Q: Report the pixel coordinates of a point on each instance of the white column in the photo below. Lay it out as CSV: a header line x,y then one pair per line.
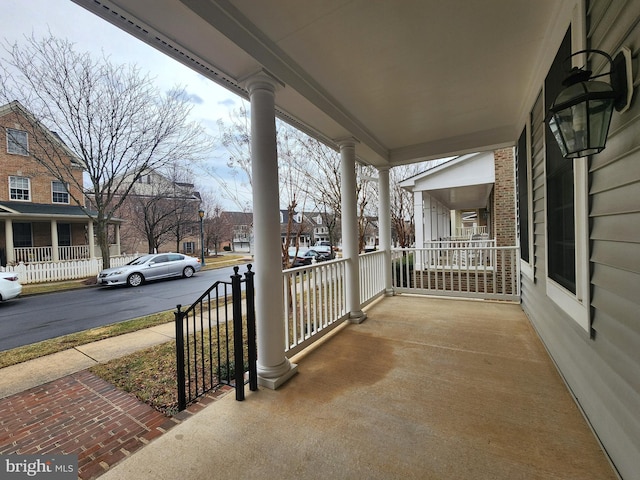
x,y
419,222
384,225
453,215
273,367
349,207
55,254
92,243
8,241
117,238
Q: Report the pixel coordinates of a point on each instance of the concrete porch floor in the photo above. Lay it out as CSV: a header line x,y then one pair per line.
x,y
424,388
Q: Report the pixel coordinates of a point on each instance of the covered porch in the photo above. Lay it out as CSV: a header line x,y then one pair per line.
x,y
425,388
388,86
36,233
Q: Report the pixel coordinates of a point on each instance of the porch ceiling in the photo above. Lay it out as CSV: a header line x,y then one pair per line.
x,y
411,80
461,198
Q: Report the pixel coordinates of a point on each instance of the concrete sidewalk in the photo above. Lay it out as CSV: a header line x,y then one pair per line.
x,y
23,376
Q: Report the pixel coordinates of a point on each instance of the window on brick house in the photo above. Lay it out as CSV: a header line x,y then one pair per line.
x,y
59,192
19,188
22,235
17,142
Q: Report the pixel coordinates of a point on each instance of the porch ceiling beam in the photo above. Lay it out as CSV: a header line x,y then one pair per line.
x,y
228,20
487,140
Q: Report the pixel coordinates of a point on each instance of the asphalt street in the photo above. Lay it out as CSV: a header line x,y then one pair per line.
x,y
35,318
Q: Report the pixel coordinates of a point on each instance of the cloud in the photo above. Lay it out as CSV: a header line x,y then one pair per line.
x,y
227,102
194,98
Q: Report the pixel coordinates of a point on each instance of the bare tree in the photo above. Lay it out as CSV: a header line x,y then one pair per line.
x,y
322,182
217,228
234,138
147,217
110,116
402,212
184,202
162,206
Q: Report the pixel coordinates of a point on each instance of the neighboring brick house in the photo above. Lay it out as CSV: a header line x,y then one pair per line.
x,y
160,214
241,226
38,218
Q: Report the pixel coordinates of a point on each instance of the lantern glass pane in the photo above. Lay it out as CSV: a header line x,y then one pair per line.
x,y
575,127
553,125
599,119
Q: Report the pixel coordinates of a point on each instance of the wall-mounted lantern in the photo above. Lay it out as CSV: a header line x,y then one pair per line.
x,y
580,116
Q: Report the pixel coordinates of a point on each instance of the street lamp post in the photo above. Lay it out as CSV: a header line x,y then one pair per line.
x,y
201,215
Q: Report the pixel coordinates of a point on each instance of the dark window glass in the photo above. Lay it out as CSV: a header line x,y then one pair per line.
x,y
64,234
523,195
22,235
561,239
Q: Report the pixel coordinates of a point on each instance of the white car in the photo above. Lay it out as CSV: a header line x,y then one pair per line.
x,y
150,267
10,287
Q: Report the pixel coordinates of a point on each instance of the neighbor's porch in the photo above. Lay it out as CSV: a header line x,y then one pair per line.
x,y
424,388
31,240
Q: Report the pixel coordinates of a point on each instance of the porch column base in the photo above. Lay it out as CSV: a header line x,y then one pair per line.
x,y
357,317
389,292
276,377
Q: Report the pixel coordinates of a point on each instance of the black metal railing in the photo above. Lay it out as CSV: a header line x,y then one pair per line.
x,y
215,347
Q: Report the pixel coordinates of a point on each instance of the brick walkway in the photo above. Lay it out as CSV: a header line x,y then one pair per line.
x,y
84,415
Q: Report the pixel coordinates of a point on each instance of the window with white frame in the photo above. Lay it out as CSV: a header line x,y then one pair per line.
x,y
566,212
560,196
17,142
19,188
59,192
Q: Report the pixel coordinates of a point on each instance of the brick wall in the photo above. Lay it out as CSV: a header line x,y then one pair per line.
x,y
504,206
26,166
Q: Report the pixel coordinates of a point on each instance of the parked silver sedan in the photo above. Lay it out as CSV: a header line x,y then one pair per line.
x,y
150,267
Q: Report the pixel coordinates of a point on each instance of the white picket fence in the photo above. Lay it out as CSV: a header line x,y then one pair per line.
x,y
60,271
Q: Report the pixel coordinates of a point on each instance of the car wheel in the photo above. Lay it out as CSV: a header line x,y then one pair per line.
x,y
135,280
188,272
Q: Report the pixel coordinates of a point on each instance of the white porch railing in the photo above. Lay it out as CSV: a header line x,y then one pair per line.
x,y
470,231
59,271
315,295
457,253
45,254
476,272
314,302
33,254
371,276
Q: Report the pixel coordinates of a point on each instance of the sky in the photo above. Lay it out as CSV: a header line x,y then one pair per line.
x,y
65,19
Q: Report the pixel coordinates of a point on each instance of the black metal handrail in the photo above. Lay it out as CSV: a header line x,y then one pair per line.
x,y
205,358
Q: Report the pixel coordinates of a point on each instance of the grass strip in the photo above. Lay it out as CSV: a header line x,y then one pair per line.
x,y
149,374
